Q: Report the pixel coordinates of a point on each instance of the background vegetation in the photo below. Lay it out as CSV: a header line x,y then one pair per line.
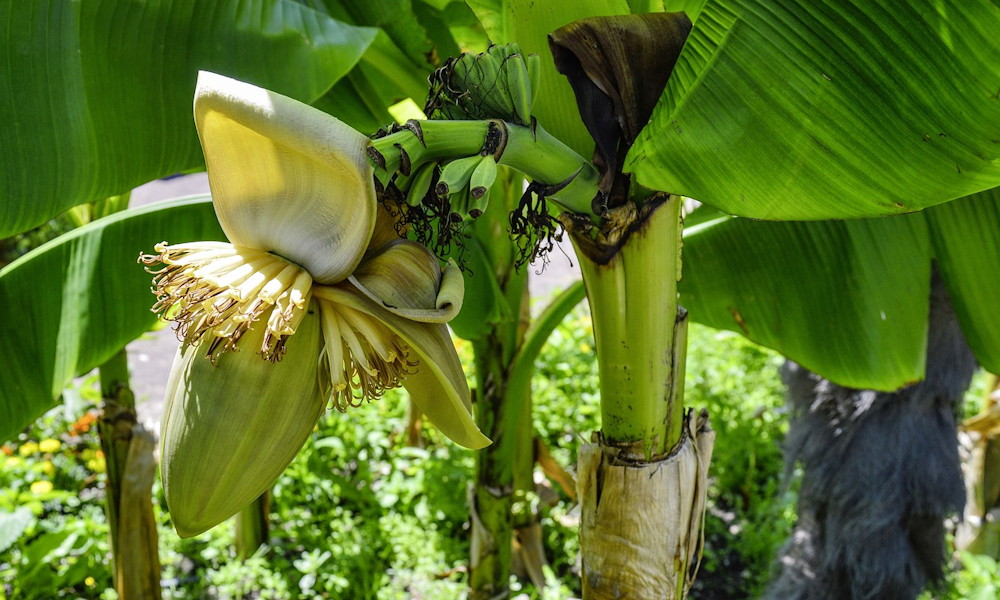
x,y
360,515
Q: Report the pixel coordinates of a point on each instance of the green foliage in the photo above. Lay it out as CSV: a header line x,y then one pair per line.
x,y
749,515
978,579
779,109
360,515
15,247
93,117
848,299
54,540
70,304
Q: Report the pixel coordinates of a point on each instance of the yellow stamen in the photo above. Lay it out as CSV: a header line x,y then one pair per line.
x,y
221,290
365,357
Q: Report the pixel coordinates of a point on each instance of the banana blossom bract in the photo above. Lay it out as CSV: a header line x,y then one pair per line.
x,y
310,254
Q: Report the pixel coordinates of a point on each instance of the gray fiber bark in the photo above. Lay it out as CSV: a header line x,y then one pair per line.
x,y
881,473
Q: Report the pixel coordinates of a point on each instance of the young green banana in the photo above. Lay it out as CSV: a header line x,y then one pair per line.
x,y
420,183
479,186
483,177
456,174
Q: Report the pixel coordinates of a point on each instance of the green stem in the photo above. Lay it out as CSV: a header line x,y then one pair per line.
x,y
632,292
252,526
545,159
500,410
533,152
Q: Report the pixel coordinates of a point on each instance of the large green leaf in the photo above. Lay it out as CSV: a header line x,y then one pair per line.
x,y
355,101
414,39
813,109
847,299
69,305
97,94
966,236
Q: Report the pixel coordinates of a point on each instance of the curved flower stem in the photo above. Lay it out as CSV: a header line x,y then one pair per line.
x,y
251,526
531,150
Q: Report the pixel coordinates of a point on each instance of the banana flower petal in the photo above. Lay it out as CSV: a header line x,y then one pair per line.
x,y
230,429
405,278
438,385
314,301
285,178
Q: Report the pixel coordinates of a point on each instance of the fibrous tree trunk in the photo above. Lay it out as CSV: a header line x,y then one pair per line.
x,y
131,468
643,481
881,473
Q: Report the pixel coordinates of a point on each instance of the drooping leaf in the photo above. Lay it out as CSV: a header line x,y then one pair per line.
x,y
98,94
813,109
396,18
69,305
847,299
354,101
391,74
966,237
395,65
617,67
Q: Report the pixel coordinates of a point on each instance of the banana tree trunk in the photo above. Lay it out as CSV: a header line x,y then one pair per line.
x,y
503,414
493,492
131,468
643,481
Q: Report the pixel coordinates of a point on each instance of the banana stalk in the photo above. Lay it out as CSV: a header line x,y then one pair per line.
x,y
642,483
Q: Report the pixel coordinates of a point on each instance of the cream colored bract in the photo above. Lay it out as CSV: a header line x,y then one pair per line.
x,y
309,248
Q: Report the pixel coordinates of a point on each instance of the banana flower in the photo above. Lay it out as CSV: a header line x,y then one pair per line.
x,y
314,300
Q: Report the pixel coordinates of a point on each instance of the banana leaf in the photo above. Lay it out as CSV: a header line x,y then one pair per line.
x,y
848,299
98,94
805,109
70,304
414,39
966,237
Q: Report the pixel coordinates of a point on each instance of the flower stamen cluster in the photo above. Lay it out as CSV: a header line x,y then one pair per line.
x,y
217,289
365,357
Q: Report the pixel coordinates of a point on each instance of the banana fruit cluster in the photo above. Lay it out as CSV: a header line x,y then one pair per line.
x,y
500,83
464,184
